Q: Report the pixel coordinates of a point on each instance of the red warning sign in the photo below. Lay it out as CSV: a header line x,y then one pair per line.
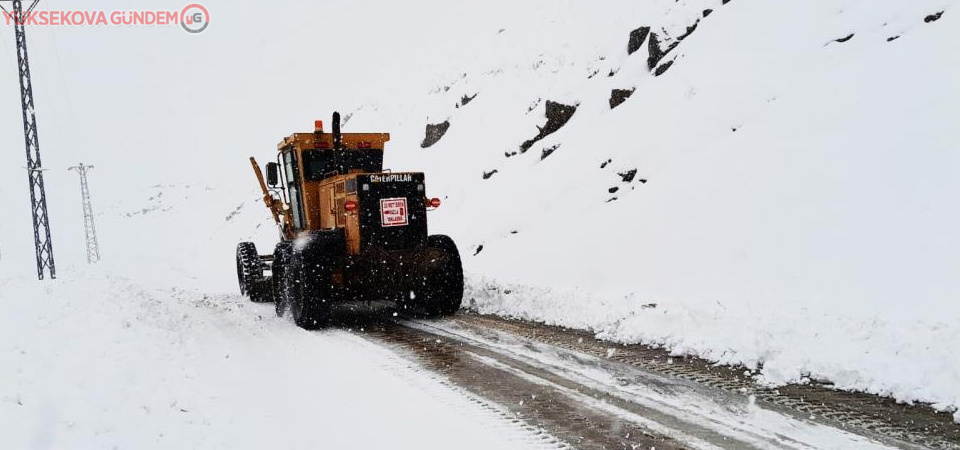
x,y
393,212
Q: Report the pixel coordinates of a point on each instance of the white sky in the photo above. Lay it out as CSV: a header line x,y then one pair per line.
x,y
156,104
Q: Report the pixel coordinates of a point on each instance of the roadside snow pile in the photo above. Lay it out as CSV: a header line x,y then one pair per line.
x,y
780,345
101,361
780,182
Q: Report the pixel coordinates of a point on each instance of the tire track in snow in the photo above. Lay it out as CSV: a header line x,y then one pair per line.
x,y
532,402
440,389
906,426
588,403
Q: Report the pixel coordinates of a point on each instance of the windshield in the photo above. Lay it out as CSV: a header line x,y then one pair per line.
x,y
319,163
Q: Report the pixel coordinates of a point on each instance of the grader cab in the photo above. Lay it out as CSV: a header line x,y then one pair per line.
x,y
348,232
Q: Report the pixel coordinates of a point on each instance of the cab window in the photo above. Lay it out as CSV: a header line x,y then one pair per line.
x,y
293,187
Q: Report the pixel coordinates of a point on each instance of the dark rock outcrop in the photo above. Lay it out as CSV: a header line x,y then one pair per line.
x,y
933,17
655,52
628,176
690,31
557,116
618,96
434,133
662,68
487,175
636,39
466,99
548,151
845,38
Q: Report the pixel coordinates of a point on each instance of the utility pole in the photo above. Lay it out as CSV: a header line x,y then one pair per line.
x,y
38,198
93,250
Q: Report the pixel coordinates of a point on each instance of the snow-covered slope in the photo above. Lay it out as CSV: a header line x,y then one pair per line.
x,y
781,196
793,204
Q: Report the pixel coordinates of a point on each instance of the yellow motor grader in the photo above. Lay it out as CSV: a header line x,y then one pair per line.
x,y
348,231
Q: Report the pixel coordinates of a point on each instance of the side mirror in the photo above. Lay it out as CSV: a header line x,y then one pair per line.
x,y
273,175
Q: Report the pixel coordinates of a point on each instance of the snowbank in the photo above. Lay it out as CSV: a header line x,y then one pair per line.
x,y
103,361
780,345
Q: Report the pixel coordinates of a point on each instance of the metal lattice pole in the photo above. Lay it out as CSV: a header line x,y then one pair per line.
x,y
38,197
93,250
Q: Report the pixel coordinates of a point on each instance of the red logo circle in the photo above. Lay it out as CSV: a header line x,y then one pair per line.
x,y
194,22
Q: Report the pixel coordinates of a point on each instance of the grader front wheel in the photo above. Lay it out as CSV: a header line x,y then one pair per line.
x,y
250,274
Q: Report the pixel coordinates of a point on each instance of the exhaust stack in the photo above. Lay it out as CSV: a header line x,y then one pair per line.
x,y
337,138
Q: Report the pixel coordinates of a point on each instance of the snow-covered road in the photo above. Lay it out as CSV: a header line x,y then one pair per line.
x,y
103,361
100,362
598,401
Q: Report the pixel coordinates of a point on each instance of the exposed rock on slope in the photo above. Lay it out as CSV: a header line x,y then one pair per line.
x,y
636,39
557,116
618,96
434,133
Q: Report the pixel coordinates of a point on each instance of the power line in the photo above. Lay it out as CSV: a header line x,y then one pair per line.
x,y
93,250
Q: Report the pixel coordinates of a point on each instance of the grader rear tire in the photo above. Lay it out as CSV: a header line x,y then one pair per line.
x,y
309,279
281,260
443,287
308,297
